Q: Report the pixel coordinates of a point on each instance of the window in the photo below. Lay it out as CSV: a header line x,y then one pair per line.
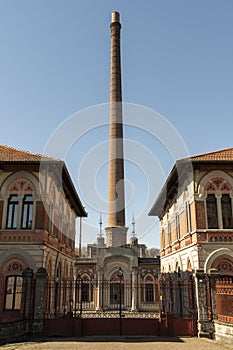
x,y
19,204
27,212
149,292
12,212
211,207
116,293
226,211
13,292
51,217
60,227
188,217
85,292
169,233
163,239
177,227
218,204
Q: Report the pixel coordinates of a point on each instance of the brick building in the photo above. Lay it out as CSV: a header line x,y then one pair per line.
x,y
195,209
38,210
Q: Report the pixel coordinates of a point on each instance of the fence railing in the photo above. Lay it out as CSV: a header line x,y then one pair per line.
x,y
79,297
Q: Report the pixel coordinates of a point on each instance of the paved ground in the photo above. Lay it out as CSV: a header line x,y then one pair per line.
x,y
116,343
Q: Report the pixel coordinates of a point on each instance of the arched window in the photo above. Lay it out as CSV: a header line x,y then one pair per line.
x,y
218,204
224,265
117,289
13,293
149,293
13,286
20,205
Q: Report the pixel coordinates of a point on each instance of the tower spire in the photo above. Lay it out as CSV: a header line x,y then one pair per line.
x,y
116,230
101,224
133,225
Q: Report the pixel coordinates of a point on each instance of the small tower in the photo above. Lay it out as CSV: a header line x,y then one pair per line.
x,y
100,238
116,230
133,238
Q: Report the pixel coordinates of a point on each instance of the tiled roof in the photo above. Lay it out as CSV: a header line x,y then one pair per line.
x,y
225,155
10,154
222,155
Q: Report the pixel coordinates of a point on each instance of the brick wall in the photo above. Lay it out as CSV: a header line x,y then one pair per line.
x,y
224,300
200,215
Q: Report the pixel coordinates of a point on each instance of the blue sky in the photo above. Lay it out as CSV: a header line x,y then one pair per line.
x,y
177,59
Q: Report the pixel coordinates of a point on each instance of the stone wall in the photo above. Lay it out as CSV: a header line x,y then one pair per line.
x,y
224,332
19,331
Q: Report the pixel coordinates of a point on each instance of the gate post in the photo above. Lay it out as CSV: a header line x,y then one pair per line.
x,y
205,325
134,290
39,308
27,289
213,275
99,300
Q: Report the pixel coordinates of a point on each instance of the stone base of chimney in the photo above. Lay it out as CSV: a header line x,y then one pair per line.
x,y
116,236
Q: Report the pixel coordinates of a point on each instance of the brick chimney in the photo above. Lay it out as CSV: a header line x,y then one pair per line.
x,y
116,230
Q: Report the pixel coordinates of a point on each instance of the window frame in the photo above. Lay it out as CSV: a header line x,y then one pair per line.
x,y
14,294
12,212
28,207
219,188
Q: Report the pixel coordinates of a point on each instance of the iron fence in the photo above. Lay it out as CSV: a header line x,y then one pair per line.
x,y
100,298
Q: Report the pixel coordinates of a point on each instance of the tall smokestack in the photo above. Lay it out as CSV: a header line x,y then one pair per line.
x,y
116,230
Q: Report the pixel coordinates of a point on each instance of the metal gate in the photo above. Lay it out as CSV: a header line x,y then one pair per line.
x,y
100,307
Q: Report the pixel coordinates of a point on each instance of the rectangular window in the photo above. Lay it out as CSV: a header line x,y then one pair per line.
x,y
169,234
27,212
149,292
12,212
188,217
177,227
51,218
212,214
59,227
226,211
13,293
163,239
85,292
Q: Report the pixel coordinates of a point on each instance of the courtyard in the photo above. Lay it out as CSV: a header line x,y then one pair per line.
x,y
118,343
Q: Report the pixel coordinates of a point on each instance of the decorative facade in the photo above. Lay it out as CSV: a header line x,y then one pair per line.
x,y
38,210
195,208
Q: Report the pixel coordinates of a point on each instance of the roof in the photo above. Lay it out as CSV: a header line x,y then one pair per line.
x,y
13,155
10,154
221,156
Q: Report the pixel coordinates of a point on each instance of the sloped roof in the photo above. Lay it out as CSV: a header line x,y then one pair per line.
x,y
14,155
221,156
10,154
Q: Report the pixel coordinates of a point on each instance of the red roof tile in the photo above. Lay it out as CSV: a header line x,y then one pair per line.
x,y
10,154
221,155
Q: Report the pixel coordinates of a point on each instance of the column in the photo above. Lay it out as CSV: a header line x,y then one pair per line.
x,y
205,326
135,290
99,297
27,291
